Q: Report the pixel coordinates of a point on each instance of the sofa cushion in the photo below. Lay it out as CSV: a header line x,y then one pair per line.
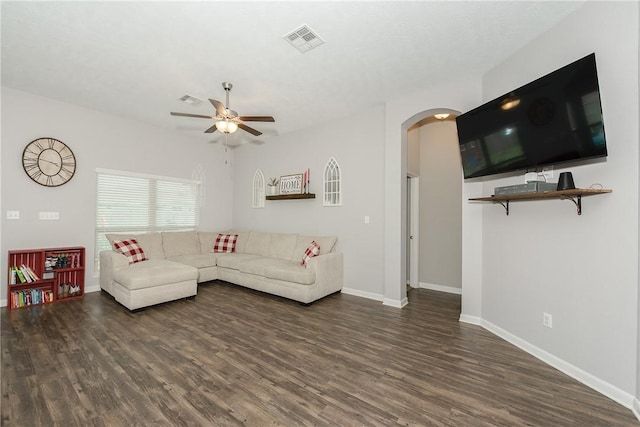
x,y
130,249
151,243
282,245
225,243
312,250
258,266
258,243
196,260
233,261
326,245
241,242
291,272
207,239
177,243
154,273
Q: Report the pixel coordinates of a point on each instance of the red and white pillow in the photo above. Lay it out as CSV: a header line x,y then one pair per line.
x,y
130,249
225,243
312,250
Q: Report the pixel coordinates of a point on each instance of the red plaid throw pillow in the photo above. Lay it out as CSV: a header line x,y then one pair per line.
x,y
130,249
312,250
225,243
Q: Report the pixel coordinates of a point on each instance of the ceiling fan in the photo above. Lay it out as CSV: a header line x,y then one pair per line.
x,y
227,120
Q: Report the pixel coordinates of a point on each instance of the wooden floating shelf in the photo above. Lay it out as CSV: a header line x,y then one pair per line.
x,y
291,196
574,195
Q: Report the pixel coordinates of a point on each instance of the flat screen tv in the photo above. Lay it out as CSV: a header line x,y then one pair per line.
x,y
554,119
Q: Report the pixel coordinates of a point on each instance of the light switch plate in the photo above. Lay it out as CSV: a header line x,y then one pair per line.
x,y
13,214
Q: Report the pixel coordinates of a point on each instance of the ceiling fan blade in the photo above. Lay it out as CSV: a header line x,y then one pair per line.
x,y
248,129
219,107
257,119
212,129
200,116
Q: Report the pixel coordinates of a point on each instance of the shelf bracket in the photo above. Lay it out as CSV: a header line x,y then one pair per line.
x,y
505,205
577,200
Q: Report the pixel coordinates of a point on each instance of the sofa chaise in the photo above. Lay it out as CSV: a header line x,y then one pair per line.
x,y
166,266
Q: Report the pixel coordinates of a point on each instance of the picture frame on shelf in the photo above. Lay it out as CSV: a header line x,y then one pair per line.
x,y
291,184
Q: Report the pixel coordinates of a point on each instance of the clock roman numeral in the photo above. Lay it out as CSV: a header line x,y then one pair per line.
x,y
37,174
49,181
51,142
65,171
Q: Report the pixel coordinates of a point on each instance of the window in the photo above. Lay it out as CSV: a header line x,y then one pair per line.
x,y
129,203
258,190
332,185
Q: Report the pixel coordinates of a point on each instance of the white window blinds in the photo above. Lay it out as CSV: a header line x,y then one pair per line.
x,y
131,203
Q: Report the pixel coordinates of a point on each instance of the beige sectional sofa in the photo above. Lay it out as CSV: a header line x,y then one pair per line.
x,y
178,261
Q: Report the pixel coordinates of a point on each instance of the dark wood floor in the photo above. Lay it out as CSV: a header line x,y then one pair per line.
x,y
232,356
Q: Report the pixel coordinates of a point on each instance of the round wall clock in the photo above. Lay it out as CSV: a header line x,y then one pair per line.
x,y
49,162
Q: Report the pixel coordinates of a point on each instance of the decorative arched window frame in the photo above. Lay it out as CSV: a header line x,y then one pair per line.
x,y
257,194
332,184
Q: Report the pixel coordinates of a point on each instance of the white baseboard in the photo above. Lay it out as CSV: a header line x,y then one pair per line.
x,y
472,320
3,302
395,303
636,408
94,288
440,288
363,294
612,392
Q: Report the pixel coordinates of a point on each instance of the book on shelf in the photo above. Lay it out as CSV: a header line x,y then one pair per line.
x,y
25,273
13,276
28,272
20,275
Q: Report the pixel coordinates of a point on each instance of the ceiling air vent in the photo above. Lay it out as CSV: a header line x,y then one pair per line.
x,y
303,38
191,100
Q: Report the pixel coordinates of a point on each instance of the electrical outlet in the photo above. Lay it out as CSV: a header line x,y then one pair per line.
x,y
547,173
547,320
13,214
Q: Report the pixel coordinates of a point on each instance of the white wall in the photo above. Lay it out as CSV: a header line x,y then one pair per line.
x,y
440,206
98,141
400,114
543,257
357,144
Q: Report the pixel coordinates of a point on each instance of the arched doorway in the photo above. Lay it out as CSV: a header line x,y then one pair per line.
x,y
450,280
434,204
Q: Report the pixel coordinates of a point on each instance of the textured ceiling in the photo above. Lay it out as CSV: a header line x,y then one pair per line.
x,y
135,59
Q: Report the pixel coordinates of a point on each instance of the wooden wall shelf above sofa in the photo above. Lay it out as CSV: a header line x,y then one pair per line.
x,y
291,196
574,195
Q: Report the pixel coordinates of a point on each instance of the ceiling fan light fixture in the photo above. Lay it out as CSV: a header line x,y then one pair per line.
x,y
226,126
441,116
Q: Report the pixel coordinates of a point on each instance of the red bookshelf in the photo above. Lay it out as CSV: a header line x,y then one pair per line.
x,y
54,274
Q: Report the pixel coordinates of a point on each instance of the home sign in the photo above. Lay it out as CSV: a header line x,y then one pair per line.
x,y
291,184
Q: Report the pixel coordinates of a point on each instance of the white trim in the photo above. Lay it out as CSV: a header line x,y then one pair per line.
x,y
145,175
362,294
612,392
440,288
395,303
472,320
3,302
92,288
414,230
636,408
